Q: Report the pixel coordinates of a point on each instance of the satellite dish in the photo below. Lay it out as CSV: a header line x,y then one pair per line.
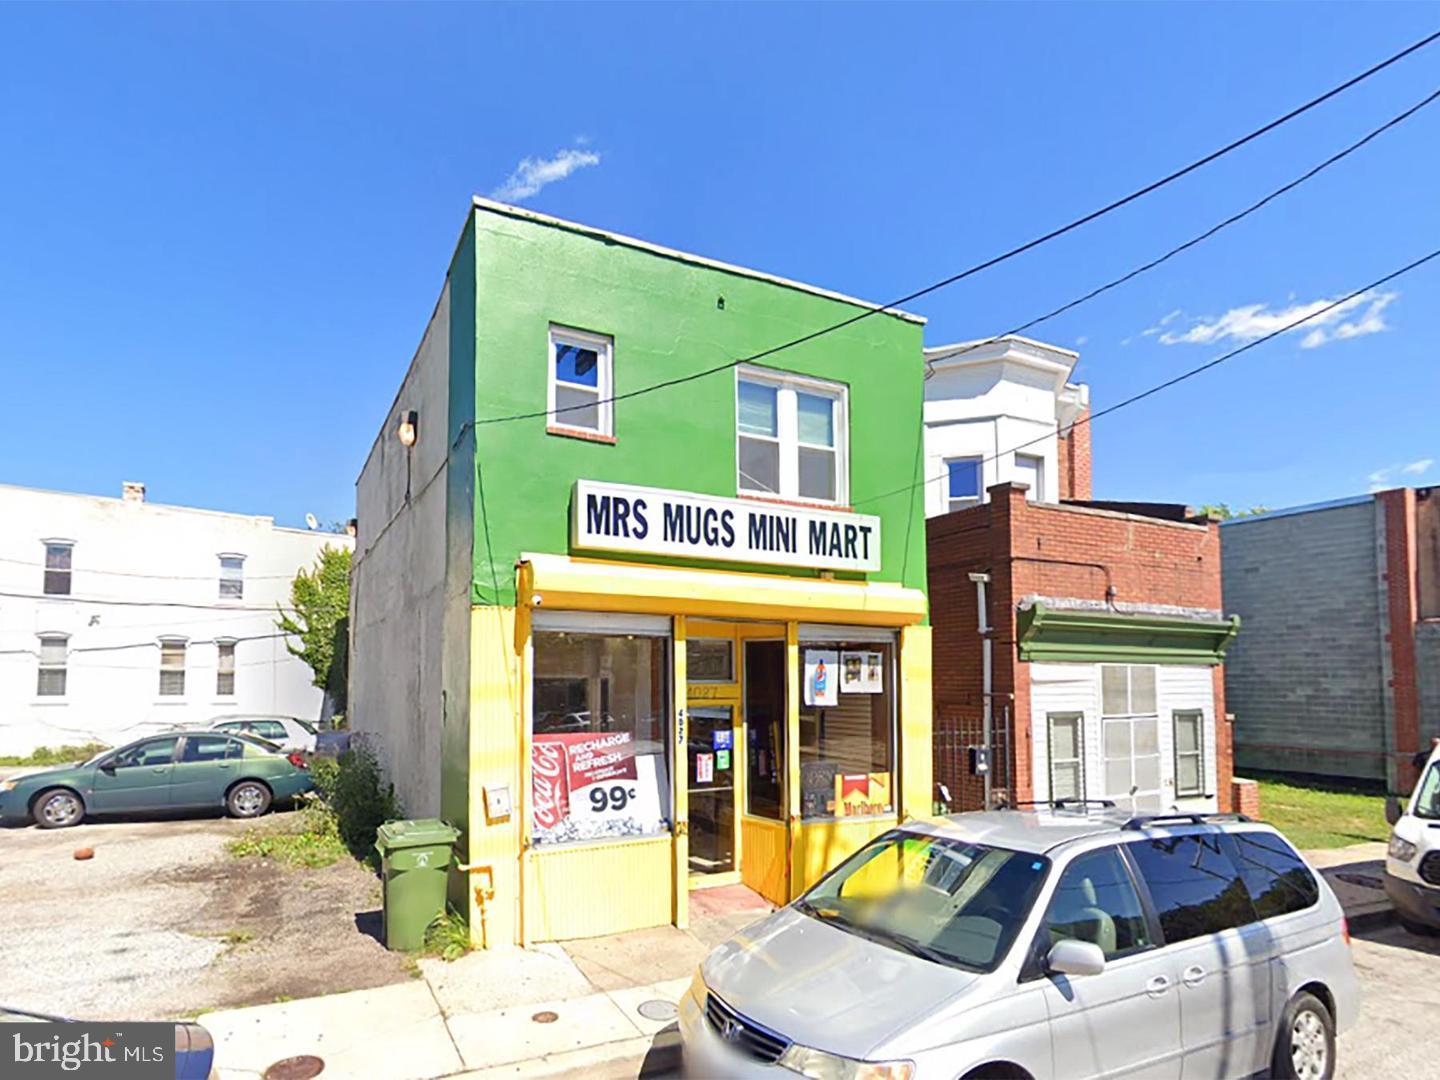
x,y
311,523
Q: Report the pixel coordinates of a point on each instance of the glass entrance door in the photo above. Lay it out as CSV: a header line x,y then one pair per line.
x,y
710,764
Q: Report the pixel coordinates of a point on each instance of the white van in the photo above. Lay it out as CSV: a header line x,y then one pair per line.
x,y
1412,866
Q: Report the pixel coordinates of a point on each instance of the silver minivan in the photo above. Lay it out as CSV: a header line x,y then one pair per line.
x,y
1074,940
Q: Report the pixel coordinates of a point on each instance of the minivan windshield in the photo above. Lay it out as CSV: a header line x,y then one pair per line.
x,y
941,898
1427,799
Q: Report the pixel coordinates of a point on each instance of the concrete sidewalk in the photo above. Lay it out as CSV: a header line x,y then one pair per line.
x,y
602,1005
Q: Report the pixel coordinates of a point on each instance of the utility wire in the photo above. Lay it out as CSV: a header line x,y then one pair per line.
x,y
1206,235
271,608
158,577
988,263
1178,378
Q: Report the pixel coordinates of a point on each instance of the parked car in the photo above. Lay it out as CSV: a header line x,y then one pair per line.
x,y
1412,865
288,732
1058,942
241,773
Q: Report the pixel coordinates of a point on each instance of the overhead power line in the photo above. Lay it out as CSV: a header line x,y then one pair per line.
x,y
987,264
38,564
271,608
1182,377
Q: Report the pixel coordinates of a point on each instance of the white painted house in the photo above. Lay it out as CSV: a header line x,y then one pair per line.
x,y
120,617
985,399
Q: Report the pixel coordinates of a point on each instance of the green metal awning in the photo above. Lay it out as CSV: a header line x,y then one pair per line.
x,y
1094,637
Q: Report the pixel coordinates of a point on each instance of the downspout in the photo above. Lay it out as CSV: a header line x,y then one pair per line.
x,y
987,722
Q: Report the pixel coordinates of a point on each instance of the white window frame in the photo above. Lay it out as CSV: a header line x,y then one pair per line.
x,y
43,667
1037,489
224,557
221,644
69,572
184,644
787,433
1130,718
1198,716
604,348
1078,719
964,502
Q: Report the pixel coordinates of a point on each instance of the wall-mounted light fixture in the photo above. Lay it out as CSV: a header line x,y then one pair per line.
x,y
409,429
352,527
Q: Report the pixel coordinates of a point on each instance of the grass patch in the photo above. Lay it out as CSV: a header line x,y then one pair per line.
x,y
55,755
315,844
1316,816
447,937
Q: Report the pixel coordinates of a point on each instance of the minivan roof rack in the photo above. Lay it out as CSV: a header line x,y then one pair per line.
x,y
1066,803
1144,821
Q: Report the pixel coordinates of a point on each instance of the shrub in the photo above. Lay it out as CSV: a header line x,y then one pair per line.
x,y
58,755
354,789
447,937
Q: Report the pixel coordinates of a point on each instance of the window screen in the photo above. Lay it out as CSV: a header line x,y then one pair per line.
x,y
1195,886
1067,757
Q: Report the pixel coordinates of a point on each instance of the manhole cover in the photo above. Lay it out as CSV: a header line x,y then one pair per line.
x,y
658,1010
295,1068
546,1017
1363,880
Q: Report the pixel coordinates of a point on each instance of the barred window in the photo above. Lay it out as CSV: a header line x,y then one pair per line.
x,y
172,667
54,653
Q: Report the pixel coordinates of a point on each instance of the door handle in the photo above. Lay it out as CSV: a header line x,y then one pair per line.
x,y
160,768
1193,975
1157,986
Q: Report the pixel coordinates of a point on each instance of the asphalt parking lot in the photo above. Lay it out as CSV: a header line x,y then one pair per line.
x,y
164,923
1398,976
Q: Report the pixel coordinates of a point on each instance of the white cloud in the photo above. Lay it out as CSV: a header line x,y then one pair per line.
x,y
532,174
1159,326
1383,478
1356,317
1081,340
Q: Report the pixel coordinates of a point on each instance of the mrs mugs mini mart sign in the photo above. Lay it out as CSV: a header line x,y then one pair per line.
x,y
652,521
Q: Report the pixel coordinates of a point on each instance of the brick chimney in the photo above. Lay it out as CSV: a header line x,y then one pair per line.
x,y
1075,458
132,491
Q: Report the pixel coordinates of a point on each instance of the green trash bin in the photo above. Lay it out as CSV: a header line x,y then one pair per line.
x,y
414,867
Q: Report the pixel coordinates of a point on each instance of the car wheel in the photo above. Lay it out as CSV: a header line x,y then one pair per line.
x,y
59,808
1305,1047
1419,929
248,799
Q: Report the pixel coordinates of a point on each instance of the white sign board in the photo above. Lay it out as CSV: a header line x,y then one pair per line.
x,y
653,521
822,678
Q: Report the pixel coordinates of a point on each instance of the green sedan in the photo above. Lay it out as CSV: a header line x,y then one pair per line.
x,y
243,774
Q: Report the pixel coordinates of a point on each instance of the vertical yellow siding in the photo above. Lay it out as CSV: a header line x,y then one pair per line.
x,y
917,762
823,845
496,700
590,889
763,867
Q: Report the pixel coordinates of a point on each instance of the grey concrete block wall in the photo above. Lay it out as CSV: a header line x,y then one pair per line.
x,y
1427,663
1304,678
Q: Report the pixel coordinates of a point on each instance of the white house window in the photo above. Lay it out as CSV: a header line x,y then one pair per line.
x,y
581,382
172,667
54,653
1131,735
790,437
232,577
1189,752
1030,470
57,567
962,483
1067,759
225,669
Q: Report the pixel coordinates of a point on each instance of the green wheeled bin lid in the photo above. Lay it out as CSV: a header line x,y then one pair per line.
x,y
422,832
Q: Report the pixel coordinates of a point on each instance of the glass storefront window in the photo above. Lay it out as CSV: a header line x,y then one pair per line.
x,y
765,758
847,729
599,737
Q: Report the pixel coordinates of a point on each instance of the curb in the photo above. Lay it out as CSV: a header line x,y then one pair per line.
x,y
1364,921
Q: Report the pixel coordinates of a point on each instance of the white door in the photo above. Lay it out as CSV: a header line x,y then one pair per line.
x,y
1131,736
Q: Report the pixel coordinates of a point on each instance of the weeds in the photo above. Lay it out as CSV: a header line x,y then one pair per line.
x,y
315,844
354,789
447,937
57,755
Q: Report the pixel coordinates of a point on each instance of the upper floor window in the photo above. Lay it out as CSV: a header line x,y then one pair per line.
x,y
224,668
232,577
57,567
962,483
172,667
791,437
1030,470
54,653
581,383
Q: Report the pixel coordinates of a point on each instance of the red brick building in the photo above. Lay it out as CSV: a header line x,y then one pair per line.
x,y
1107,633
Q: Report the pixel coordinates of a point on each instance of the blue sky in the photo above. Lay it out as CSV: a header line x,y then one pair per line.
x,y
223,228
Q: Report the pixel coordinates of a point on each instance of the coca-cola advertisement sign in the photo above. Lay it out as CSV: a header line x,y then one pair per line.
x,y
549,769
594,785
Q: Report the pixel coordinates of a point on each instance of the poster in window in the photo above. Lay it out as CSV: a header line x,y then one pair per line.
x,y
862,672
817,788
592,786
862,794
822,678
